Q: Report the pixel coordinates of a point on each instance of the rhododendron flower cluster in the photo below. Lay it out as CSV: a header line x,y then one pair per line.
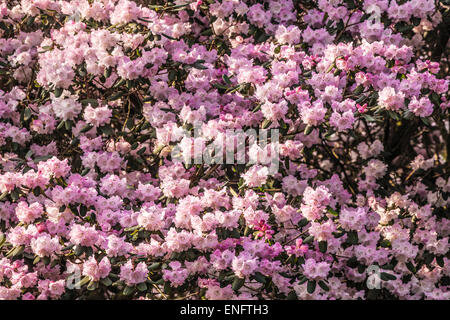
x,y
132,164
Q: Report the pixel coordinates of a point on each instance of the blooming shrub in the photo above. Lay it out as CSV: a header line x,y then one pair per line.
x,y
96,96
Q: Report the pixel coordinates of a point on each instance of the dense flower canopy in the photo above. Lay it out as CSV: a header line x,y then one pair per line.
x,y
106,106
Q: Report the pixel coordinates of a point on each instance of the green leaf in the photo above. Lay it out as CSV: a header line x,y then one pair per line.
x,y
259,277
207,32
323,246
27,114
54,263
393,115
168,37
107,73
78,250
361,99
106,281
43,158
130,84
128,290
361,268
408,115
369,118
219,86
358,90
372,294
2,239
352,262
93,285
385,243
330,133
411,267
199,66
88,251
302,223
266,123
226,79
86,128
425,121
60,125
237,283
308,239
311,286
324,286
428,257
107,130
387,266
331,67
292,295
141,151
146,125
434,97
333,212
129,229
116,96
284,274
142,287
36,260
440,261
308,130
154,266
119,83
30,21
37,191
58,92
352,237
83,210
403,26
134,146
262,37
92,102
83,281
387,276
3,195
167,287
15,195
67,248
